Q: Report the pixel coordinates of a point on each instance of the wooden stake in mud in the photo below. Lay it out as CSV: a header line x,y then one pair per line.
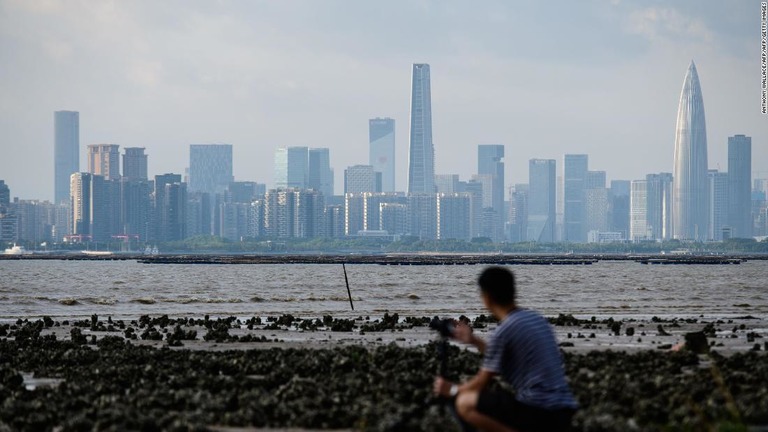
x,y
349,293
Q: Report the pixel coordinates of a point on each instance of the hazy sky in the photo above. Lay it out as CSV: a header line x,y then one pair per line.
x,y
543,78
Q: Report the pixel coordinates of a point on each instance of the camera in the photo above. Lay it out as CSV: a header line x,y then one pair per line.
x,y
443,326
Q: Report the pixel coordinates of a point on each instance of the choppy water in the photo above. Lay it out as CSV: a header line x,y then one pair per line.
x,y
125,289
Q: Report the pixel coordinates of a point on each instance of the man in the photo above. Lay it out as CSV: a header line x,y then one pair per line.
x,y
524,353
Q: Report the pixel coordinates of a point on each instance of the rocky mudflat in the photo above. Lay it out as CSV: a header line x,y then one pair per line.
x,y
161,373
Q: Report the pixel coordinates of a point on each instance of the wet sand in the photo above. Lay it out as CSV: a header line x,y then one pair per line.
x,y
160,373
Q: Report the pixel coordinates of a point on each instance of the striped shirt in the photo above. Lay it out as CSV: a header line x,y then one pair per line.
x,y
524,351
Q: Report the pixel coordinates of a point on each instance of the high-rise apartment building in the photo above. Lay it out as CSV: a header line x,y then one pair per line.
x,y
739,186
659,205
291,167
372,203
381,141
690,198
210,168
294,213
476,191
392,218
574,206
638,204
518,213
66,152
542,178
619,206
5,195
596,207
421,152
170,199
490,162
134,163
354,213
453,211
320,174
719,228
104,160
80,207
420,218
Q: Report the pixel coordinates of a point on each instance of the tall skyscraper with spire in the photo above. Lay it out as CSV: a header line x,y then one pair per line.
x,y
690,203
421,152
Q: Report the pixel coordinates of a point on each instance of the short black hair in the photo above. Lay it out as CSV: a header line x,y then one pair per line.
x,y
498,284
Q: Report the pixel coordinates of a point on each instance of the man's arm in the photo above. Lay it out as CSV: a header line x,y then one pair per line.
x,y
483,377
463,333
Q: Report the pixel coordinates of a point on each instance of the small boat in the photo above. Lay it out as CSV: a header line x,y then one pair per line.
x,y
17,250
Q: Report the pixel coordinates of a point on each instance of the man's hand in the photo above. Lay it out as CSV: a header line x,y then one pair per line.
x,y
463,333
442,387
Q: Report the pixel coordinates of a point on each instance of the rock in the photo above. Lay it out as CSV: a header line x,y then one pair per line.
x,y
661,331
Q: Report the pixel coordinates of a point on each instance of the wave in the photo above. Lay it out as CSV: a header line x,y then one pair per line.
x,y
144,300
409,296
189,300
68,302
101,301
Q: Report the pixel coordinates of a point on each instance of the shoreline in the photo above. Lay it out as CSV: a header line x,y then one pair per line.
x,y
379,380
398,258
574,334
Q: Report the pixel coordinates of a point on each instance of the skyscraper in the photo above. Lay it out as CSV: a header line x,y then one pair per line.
x,y
5,195
291,167
453,211
135,208
80,208
542,177
210,168
104,160
447,183
134,163
490,163
719,228
690,202
638,213
574,206
66,152
381,139
421,220
421,152
518,213
659,205
739,186
320,174
170,207
359,179
619,206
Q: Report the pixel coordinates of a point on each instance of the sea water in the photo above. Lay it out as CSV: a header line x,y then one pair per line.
x,y
128,289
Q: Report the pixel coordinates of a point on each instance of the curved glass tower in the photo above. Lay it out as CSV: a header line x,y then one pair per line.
x,y
690,204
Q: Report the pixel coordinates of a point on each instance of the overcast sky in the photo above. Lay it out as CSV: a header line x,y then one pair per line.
x,y
543,78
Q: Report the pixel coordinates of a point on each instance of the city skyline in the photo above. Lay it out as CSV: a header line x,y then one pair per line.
x,y
640,46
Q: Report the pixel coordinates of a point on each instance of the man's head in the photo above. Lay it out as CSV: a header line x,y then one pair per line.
x,y
497,286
